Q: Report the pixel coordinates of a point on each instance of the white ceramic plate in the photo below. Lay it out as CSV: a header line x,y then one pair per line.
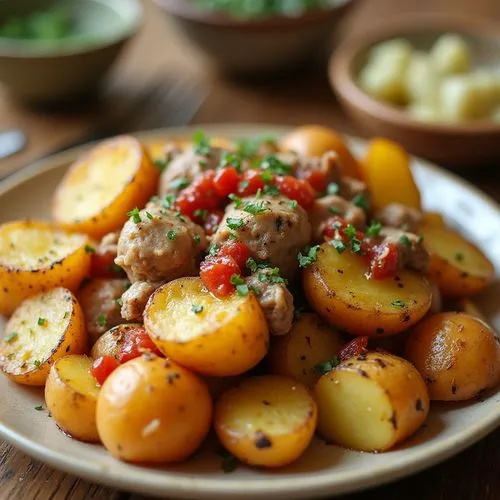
x,y
324,469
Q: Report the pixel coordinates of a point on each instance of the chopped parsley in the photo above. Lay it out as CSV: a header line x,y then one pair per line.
x,y
404,240
37,363
180,216
197,308
201,143
236,200
42,322
308,257
39,408
171,235
293,204
327,366
374,228
135,215
235,223
197,239
335,210
254,208
149,216
271,190
12,337
66,315
161,165
201,213
230,160
213,250
180,183
271,275
168,201
332,188
459,256
339,245
350,231
275,166
251,264
266,176
361,201
101,320
115,268
244,184
398,303
119,302
421,239
89,249
241,287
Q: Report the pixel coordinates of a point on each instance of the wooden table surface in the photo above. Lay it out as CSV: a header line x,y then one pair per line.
x,y
153,63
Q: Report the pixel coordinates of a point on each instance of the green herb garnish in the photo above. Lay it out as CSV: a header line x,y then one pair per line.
x,y
374,229
201,143
404,240
197,308
339,245
180,183
12,337
42,322
361,201
308,257
254,208
171,235
235,223
236,200
89,249
101,320
135,215
327,366
332,188
398,303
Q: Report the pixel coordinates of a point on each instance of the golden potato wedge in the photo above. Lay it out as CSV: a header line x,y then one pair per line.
x,y
101,187
36,256
267,421
71,397
222,337
337,288
310,341
152,410
457,354
44,328
111,342
456,265
371,402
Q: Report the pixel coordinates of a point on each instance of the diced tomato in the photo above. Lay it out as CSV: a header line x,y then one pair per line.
x,y
212,221
137,341
296,189
216,272
237,250
337,225
384,261
226,181
200,195
102,265
317,179
250,183
353,348
103,367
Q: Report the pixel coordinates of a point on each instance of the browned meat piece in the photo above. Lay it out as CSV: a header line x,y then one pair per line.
x,y
328,206
273,229
100,302
109,243
411,252
134,299
161,247
275,299
349,188
327,164
400,216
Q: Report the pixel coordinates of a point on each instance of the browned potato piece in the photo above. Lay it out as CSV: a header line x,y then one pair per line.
x,y
311,341
219,337
457,266
36,256
457,354
267,421
100,188
44,328
111,342
153,410
337,288
372,402
71,397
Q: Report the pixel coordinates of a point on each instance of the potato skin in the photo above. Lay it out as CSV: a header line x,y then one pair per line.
x,y
400,384
266,421
337,289
73,407
458,355
17,283
152,410
310,341
229,337
110,343
128,192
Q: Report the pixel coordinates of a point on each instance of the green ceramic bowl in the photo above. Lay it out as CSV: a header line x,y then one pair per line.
x,y
41,71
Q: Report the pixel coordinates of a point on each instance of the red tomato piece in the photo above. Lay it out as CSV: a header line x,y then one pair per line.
x,y
102,265
384,261
317,179
250,183
103,367
353,348
137,341
216,272
226,181
237,250
296,189
200,195
212,221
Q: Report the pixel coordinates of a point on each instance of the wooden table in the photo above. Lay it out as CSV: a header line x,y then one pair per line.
x,y
149,60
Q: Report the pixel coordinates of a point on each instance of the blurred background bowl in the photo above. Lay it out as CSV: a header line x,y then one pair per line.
x,y
43,71
256,46
464,144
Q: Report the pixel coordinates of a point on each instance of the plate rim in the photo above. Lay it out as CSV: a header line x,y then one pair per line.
x,y
315,484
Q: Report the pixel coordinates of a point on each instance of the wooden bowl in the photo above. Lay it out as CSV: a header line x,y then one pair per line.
x,y
472,143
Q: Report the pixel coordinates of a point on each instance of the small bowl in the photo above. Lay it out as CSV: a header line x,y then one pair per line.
x,y
256,46
37,71
457,145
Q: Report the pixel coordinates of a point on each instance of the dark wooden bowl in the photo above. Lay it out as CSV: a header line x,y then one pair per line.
x,y
473,143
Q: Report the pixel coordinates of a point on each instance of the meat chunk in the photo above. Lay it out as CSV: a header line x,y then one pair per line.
x,y
400,216
350,188
159,245
326,164
275,299
134,299
328,206
100,302
109,243
411,252
272,228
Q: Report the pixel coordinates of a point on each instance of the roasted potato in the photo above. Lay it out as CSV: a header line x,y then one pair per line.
x,y
267,421
111,342
337,289
457,266
36,256
315,140
44,328
100,188
387,173
371,402
71,397
457,354
310,342
469,307
152,410
211,336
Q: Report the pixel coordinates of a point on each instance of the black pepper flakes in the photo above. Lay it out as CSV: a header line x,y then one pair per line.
x,y
419,406
262,441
